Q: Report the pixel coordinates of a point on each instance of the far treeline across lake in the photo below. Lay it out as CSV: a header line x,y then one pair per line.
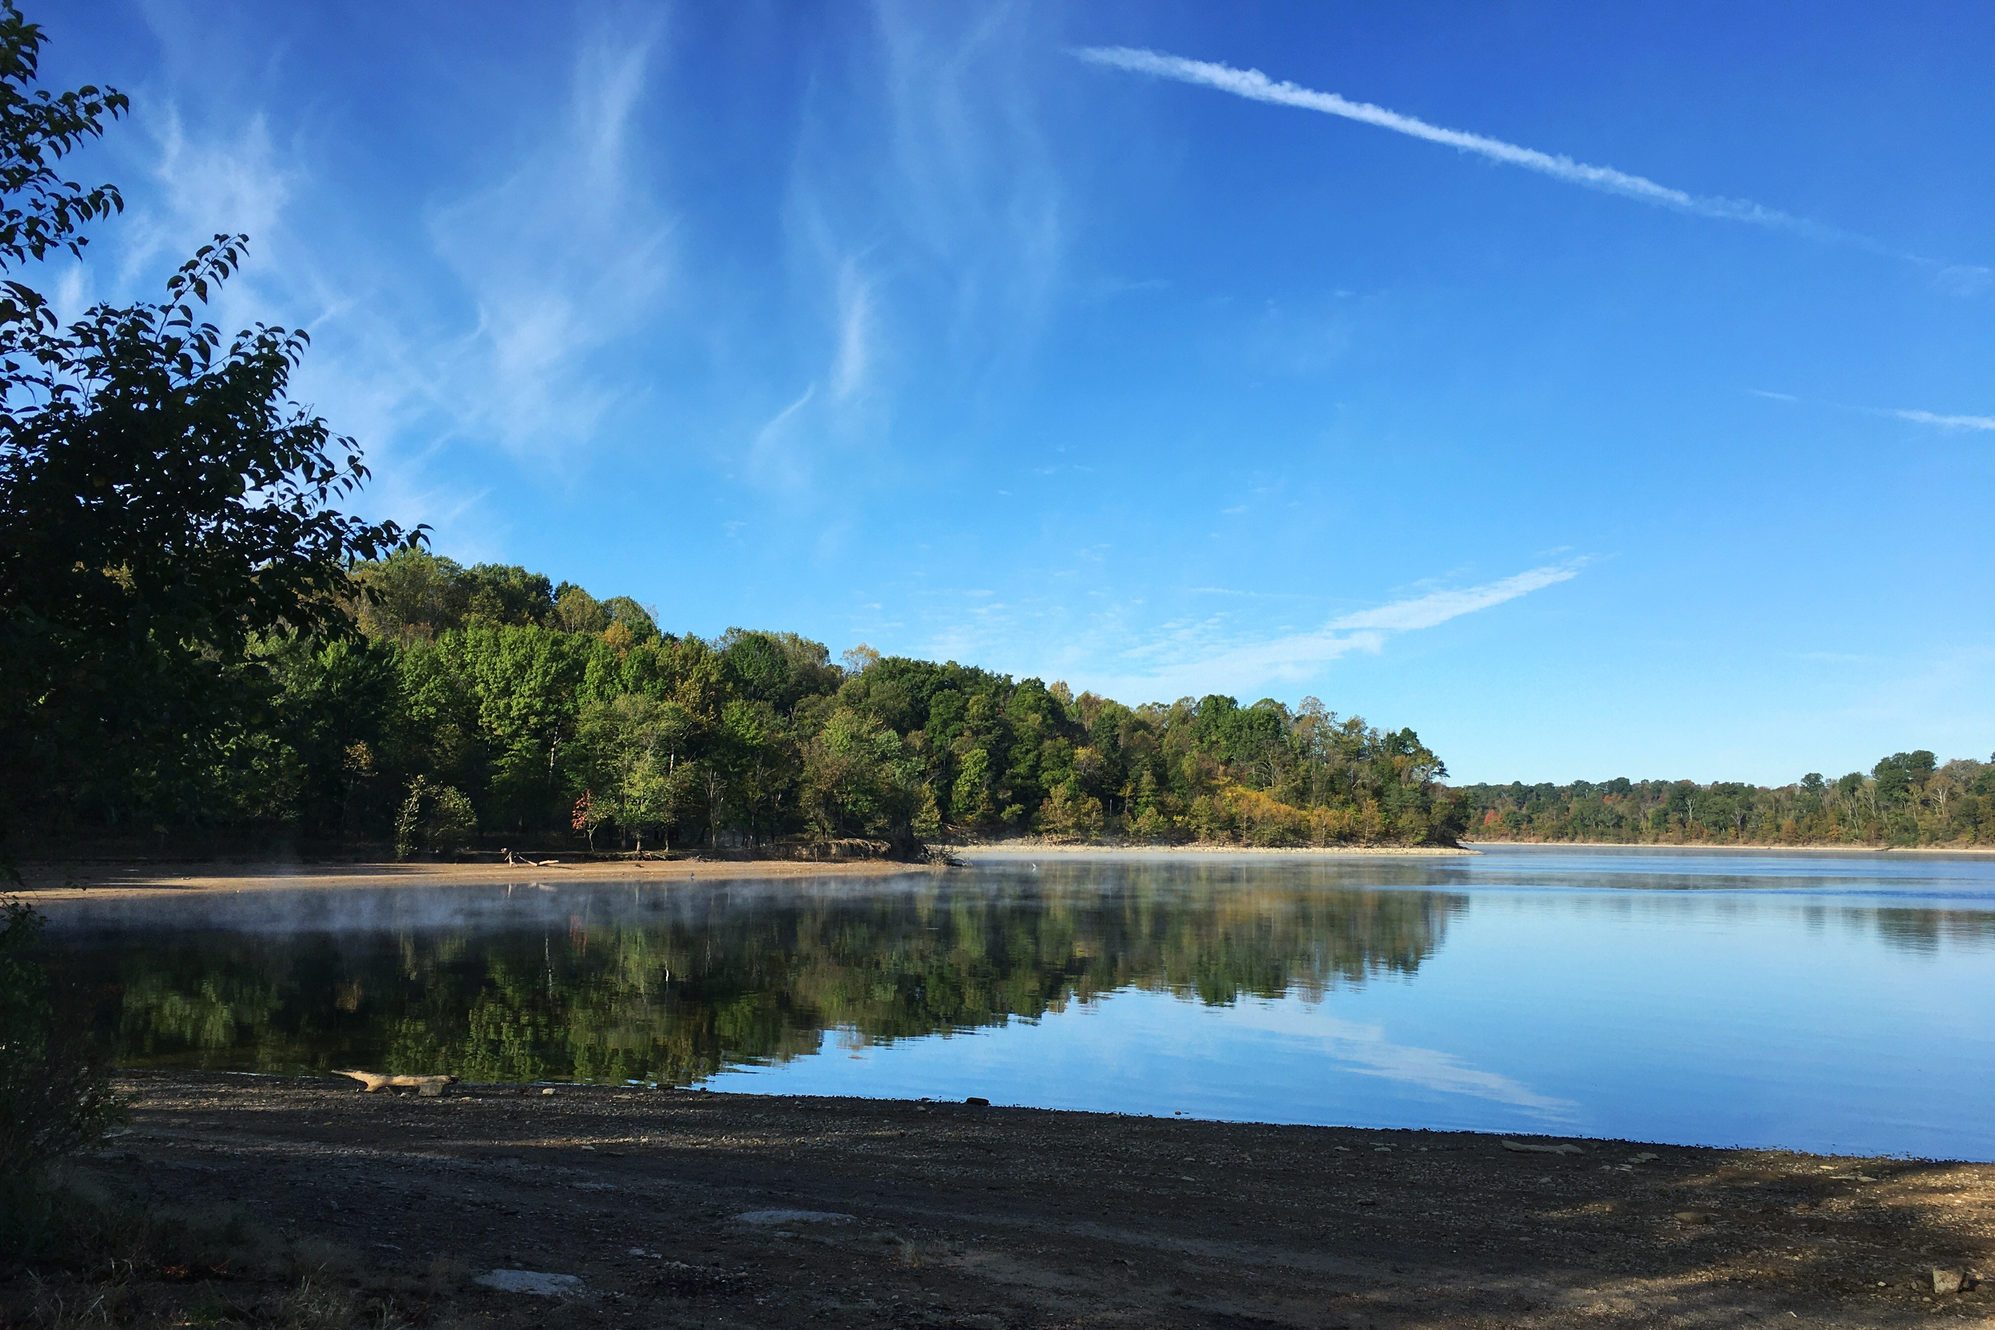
x,y
440,707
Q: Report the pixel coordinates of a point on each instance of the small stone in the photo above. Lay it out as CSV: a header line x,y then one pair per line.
x,y
536,1282
1645,1157
548,1090
1947,1281
978,1101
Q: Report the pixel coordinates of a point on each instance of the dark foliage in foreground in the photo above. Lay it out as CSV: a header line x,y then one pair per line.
x,y
163,502
55,1095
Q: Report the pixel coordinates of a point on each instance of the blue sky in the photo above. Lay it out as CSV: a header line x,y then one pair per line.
x,y
1599,390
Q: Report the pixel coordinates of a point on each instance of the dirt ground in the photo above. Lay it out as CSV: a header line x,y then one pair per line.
x,y
667,1207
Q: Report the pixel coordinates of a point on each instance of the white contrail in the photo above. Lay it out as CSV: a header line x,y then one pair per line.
x,y
1256,86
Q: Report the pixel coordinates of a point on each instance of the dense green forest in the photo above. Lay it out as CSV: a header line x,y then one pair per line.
x,y
491,703
1906,799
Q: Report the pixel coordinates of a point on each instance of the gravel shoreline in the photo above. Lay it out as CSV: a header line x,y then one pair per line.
x,y
682,1208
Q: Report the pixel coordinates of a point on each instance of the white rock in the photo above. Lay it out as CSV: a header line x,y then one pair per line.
x,y
771,1218
537,1282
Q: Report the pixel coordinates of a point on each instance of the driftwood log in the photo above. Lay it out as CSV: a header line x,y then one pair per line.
x,y
373,1081
507,856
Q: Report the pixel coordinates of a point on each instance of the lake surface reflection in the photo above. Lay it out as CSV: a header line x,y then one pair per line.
x,y
1813,1002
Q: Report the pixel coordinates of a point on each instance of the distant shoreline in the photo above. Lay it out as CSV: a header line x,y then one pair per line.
x,y
1012,849
1480,846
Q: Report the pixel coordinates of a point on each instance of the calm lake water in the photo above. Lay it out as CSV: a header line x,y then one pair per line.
x,y
1831,1003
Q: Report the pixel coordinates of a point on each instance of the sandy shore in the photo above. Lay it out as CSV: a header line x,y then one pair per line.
x,y
677,1208
55,882
44,882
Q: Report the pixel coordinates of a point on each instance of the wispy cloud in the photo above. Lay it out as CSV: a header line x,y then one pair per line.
x,y
566,253
1291,658
1253,85
486,326
778,455
364,373
1107,649
922,221
1437,607
854,355
973,187
1941,421
238,182
1936,419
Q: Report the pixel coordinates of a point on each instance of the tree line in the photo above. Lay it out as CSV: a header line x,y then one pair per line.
x,y
491,703
1907,799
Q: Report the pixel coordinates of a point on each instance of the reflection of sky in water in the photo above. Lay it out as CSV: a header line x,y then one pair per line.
x,y
1828,1003
1284,1060
1846,1006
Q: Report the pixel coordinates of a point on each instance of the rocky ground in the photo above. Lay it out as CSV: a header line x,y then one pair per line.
x,y
675,1208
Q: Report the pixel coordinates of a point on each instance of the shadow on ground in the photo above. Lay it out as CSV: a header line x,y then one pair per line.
x,y
954,1215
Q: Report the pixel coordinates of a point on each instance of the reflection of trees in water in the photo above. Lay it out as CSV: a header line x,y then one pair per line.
x,y
600,991
1926,930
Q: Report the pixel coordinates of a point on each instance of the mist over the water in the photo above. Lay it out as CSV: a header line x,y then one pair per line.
x,y
1765,999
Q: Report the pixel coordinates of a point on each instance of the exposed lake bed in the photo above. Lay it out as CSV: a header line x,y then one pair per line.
x,y
672,1207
